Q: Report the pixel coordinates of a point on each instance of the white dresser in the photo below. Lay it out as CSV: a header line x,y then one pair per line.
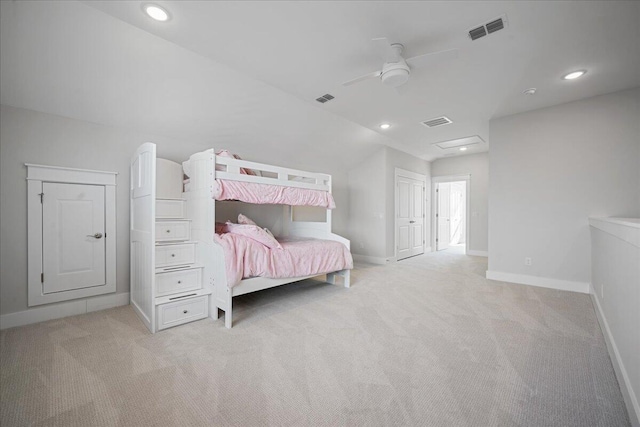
x,y
167,286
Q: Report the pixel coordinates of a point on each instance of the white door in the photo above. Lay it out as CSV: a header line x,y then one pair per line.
x,y
73,236
409,217
443,237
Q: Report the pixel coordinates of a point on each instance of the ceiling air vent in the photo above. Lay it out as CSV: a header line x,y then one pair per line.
x,y
490,27
494,26
438,121
476,33
324,98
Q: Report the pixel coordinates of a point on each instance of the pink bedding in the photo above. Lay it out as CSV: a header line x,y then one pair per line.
x,y
251,192
247,258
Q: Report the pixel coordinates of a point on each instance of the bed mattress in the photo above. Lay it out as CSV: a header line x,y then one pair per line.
x,y
251,192
298,258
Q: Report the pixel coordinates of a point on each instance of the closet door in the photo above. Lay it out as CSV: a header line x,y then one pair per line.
x,y
73,236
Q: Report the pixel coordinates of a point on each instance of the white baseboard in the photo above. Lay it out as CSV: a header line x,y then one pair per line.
x,y
63,309
630,398
478,253
370,259
543,282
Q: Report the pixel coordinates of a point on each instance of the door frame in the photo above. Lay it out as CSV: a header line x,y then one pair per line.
x,y
36,176
418,177
435,180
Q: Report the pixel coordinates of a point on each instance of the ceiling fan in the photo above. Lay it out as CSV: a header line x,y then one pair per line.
x,y
396,70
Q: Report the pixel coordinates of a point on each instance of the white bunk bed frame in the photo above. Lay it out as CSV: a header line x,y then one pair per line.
x,y
201,209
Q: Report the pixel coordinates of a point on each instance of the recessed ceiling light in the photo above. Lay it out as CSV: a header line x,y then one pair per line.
x,y
156,12
530,91
385,126
574,75
463,148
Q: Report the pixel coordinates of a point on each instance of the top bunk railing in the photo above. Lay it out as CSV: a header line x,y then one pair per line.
x,y
269,174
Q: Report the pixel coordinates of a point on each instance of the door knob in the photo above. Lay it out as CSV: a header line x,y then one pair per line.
x,y
411,222
95,236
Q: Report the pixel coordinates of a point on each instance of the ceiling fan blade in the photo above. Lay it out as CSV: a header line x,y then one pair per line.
x,y
386,51
430,58
362,78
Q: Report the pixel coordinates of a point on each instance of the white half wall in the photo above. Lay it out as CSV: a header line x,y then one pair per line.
x,y
550,170
476,165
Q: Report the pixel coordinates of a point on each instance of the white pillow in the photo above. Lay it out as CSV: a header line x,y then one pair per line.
x,y
242,219
253,232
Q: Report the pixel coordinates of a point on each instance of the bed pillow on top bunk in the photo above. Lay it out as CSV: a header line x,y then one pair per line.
x,y
242,219
253,232
226,153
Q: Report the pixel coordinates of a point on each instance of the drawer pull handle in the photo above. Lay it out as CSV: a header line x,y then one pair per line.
x,y
179,281
173,255
168,231
185,312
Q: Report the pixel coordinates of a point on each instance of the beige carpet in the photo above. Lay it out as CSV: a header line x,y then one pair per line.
x,y
426,341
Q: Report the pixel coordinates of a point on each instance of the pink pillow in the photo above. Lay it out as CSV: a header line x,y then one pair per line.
x,y
242,219
256,233
226,153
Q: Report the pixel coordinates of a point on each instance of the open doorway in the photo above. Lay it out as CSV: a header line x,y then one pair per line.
x,y
451,214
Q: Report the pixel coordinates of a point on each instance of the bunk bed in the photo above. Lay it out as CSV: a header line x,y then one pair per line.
x,y
211,178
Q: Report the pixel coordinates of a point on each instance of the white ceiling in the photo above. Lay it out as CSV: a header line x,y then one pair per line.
x,y
245,75
308,49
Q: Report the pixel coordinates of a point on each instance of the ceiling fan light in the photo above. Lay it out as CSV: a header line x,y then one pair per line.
x,y
396,77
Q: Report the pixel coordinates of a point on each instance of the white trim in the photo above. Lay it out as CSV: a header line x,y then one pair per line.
x,y
370,259
542,282
429,249
64,309
630,398
435,180
69,175
478,253
626,229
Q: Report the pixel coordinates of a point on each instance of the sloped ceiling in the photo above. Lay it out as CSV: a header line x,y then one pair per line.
x,y
245,74
68,59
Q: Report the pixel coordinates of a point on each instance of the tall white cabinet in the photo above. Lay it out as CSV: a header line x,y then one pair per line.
x,y
166,279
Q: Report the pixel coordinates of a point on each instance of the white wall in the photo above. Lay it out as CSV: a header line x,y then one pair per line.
x,y
372,202
32,137
551,169
476,165
368,206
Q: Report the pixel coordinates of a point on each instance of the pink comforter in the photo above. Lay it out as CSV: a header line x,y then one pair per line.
x,y
247,258
251,192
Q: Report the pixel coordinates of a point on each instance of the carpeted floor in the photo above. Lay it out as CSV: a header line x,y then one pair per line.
x,y
426,342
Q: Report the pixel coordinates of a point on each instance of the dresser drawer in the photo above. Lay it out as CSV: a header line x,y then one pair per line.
x,y
178,281
177,230
183,311
169,255
170,208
